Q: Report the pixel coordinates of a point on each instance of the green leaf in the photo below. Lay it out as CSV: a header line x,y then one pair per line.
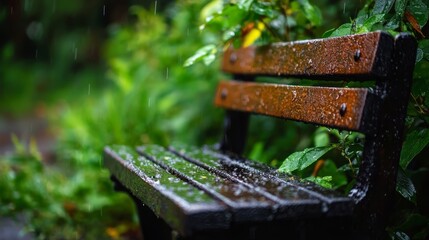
x,y
400,236
328,33
419,55
205,54
338,178
321,139
405,186
312,13
211,9
393,23
303,159
322,181
414,143
263,9
424,46
371,21
245,4
382,6
343,30
420,11
400,6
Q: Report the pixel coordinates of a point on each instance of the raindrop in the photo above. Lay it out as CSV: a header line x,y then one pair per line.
x,y
294,95
104,10
37,53
11,10
344,8
75,53
156,2
54,5
166,74
89,88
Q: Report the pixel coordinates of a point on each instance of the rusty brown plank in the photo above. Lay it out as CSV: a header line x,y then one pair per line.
x,y
328,106
353,56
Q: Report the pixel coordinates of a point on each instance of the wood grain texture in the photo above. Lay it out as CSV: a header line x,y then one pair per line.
x,y
328,106
355,57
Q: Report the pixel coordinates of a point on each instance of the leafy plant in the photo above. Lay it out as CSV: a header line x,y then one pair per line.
x,y
246,22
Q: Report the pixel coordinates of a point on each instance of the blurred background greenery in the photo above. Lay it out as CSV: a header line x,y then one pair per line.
x,y
79,75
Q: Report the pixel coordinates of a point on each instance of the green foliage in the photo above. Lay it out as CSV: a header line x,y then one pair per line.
x,y
415,142
241,23
51,199
150,97
303,159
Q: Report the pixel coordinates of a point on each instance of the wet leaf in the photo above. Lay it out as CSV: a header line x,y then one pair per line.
x,y
419,55
338,178
413,22
263,9
245,4
322,181
414,143
382,6
405,186
400,6
303,159
211,9
371,21
424,46
400,236
205,54
393,23
343,30
419,10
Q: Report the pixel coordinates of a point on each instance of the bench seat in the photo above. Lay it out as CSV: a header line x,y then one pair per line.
x,y
201,189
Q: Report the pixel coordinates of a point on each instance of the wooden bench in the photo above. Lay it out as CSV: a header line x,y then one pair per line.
x,y
213,193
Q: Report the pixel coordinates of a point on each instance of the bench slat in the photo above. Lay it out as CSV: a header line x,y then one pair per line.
x,y
291,201
245,204
199,189
334,107
336,203
354,56
183,206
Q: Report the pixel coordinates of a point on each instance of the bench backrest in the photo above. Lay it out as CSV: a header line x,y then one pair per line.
x,y
378,112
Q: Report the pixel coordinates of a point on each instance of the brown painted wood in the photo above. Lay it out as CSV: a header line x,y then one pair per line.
x,y
335,107
353,56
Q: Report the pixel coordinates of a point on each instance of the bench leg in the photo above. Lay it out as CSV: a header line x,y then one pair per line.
x,y
152,227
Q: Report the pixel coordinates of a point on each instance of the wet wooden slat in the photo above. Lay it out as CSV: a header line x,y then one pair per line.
x,y
334,203
245,204
352,57
334,107
292,201
183,206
